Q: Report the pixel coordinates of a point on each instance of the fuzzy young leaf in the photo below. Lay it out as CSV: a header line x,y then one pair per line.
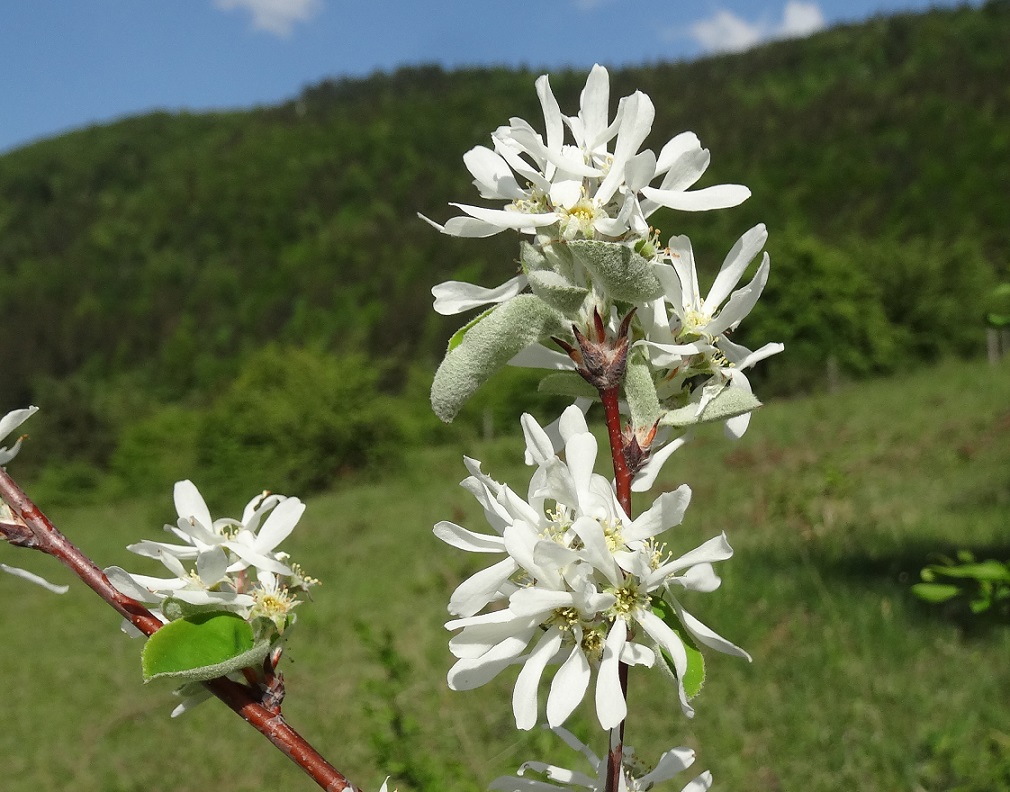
x,y
620,271
457,338
567,383
201,647
728,403
694,679
557,291
640,391
489,344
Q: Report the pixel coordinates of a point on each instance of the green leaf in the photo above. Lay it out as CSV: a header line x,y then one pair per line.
x,y
618,270
201,647
557,291
640,391
728,403
487,345
694,679
935,592
991,570
567,383
457,337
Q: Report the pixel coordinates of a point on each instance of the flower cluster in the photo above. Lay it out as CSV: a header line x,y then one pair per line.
x,y
634,776
582,192
233,565
581,586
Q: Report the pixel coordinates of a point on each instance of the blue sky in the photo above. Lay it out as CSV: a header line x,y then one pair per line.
x,y
71,64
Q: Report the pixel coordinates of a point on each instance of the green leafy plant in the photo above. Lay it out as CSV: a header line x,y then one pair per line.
x,y
982,586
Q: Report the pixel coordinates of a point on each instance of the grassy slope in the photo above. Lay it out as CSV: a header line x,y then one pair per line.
x,y
833,503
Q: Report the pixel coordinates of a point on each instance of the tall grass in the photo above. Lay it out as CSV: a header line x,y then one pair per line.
x,y
832,502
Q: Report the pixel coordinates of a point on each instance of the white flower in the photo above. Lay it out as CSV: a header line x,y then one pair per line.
x,y
686,336
8,424
581,189
579,578
634,776
220,554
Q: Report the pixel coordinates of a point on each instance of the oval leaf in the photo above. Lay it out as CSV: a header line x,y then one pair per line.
x,y
488,345
198,647
620,271
728,403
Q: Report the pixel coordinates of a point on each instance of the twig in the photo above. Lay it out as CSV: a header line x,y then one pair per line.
x,y
35,531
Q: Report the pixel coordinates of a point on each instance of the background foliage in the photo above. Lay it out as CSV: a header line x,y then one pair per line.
x,y
147,261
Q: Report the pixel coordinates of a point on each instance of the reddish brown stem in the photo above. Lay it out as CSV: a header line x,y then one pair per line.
x,y
42,535
622,479
622,474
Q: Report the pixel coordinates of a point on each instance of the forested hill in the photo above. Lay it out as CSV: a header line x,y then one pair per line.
x,y
162,248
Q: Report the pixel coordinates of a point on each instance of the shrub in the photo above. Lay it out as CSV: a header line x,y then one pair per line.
x,y
296,419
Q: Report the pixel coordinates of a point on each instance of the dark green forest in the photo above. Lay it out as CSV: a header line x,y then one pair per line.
x,y
152,269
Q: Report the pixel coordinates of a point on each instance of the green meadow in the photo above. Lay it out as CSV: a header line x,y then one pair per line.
x,y
833,503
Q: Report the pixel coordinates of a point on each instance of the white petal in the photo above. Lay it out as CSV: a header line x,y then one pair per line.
x,y
741,303
492,175
721,196
211,565
480,588
538,356
524,696
538,445
520,221
640,171
464,227
569,685
279,524
482,633
636,124
190,505
670,763
573,421
666,511
453,297
124,583
595,549
594,107
741,254
674,149
611,707
707,636
580,457
24,574
470,674
646,477
536,601
454,535
14,419
700,784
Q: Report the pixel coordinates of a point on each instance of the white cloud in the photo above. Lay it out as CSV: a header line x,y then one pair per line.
x,y
800,19
275,16
726,32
